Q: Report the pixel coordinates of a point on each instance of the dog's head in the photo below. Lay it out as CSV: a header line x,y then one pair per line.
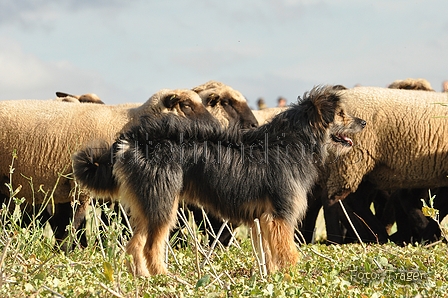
x,y
327,113
342,126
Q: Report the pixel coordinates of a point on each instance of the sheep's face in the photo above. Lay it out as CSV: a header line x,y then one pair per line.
x,y
229,106
342,126
411,84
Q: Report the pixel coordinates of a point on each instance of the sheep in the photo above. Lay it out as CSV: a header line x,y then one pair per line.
x,y
411,84
371,229
224,98
45,133
265,115
403,203
89,97
359,202
405,147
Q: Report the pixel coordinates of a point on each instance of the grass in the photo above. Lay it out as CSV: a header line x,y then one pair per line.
x,y
31,266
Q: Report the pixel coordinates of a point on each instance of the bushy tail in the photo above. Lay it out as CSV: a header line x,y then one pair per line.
x,y
92,168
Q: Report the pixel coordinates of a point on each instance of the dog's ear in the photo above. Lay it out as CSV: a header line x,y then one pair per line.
x,y
339,87
323,102
327,106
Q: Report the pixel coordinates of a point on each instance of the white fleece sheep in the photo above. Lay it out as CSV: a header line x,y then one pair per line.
x,y
265,115
46,133
404,145
80,125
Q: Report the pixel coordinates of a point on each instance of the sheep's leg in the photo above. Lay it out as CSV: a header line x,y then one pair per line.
x,y
60,219
79,220
279,234
332,218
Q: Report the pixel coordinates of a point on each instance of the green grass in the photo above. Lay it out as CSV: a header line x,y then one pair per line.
x,y
31,267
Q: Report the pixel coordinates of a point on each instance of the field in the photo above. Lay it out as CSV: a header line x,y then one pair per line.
x,y
32,266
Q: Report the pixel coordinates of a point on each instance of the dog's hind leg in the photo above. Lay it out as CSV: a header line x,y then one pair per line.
x,y
147,245
280,236
158,232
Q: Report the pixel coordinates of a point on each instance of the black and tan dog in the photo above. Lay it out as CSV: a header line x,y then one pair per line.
x,y
235,174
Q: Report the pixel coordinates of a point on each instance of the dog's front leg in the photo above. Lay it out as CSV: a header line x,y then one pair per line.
x,y
135,249
135,245
280,236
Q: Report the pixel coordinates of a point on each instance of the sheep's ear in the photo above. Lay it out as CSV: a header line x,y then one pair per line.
x,y
170,100
62,94
212,99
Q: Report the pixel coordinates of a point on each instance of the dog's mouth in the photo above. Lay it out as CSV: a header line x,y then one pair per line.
x,y
343,140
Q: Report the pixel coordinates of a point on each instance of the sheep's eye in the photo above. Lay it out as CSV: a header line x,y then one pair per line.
x,y
186,107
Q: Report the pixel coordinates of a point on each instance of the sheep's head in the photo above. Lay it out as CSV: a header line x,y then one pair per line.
x,y
182,102
226,104
85,98
411,84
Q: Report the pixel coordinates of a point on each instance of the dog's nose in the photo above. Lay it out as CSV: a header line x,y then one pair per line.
x,y
363,123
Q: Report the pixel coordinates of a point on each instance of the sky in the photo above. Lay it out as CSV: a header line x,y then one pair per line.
x,y
126,50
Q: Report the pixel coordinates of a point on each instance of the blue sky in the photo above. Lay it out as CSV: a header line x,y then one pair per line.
x,y
125,51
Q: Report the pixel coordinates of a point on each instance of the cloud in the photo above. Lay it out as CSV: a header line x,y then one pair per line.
x,y
31,13
214,59
25,76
